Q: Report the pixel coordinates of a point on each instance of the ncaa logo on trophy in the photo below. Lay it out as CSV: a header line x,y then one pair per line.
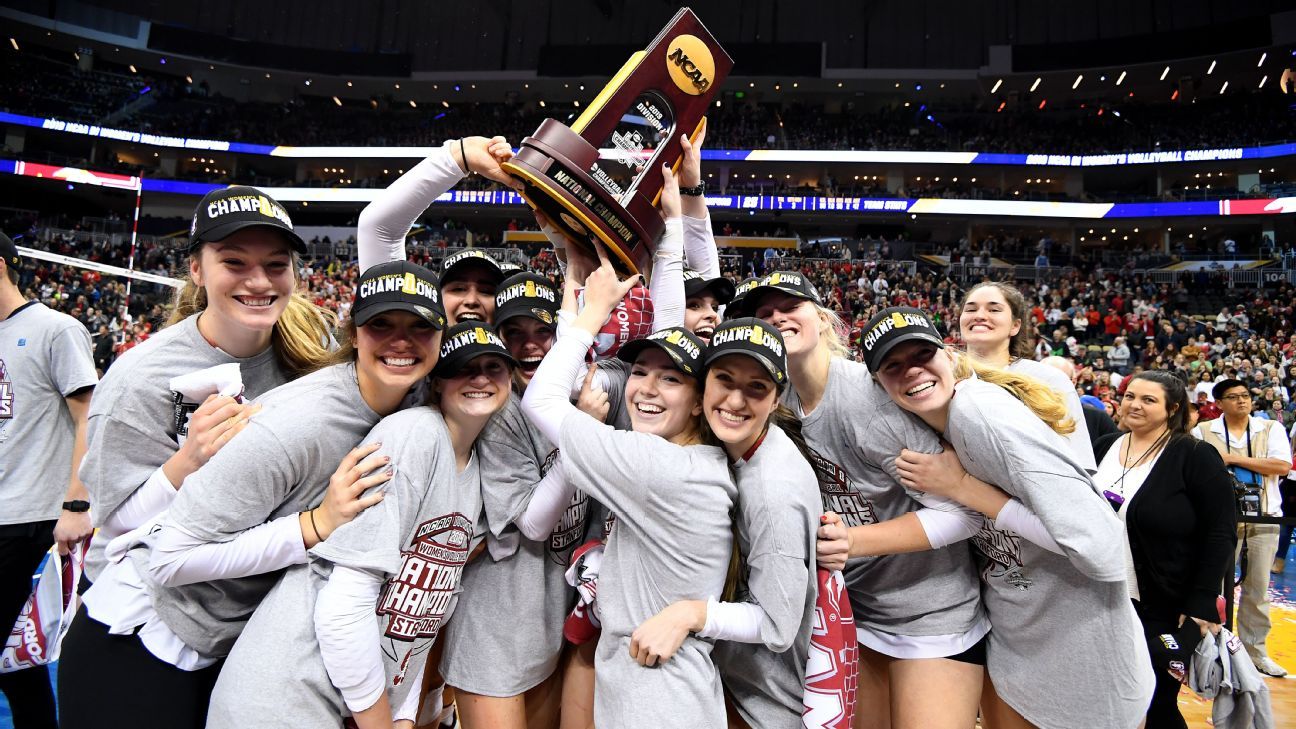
x,y
600,179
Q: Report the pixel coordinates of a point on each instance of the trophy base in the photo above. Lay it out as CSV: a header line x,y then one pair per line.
x,y
552,165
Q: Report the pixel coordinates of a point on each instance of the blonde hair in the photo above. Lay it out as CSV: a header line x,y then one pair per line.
x,y
834,334
1039,397
300,337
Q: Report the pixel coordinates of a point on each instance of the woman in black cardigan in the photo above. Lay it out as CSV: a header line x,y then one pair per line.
x,y
1175,497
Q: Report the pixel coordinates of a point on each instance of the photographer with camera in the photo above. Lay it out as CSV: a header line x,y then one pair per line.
x,y
1256,451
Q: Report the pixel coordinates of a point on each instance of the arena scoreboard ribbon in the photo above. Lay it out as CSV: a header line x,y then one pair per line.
x,y
601,179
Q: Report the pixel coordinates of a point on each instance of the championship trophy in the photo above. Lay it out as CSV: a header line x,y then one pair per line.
x,y
600,179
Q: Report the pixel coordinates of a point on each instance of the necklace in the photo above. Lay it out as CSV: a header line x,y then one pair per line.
x,y
1126,466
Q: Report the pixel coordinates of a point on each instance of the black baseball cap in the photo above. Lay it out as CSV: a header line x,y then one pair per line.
x,y
681,345
792,283
753,338
398,286
893,326
466,341
1227,384
526,294
222,212
720,287
469,257
9,252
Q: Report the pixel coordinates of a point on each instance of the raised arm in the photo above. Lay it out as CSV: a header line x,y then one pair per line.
x,y
384,223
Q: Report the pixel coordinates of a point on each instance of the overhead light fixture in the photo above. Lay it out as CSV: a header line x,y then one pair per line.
x,y
1262,81
412,104
337,101
1036,84
308,82
1076,85
446,104
132,68
189,79
349,84
1165,72
1120,79
1263,56
1042,103
542,104
1211,70
995,89
13,42
1225,86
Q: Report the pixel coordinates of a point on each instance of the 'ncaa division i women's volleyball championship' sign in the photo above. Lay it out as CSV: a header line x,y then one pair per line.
x,y
600,178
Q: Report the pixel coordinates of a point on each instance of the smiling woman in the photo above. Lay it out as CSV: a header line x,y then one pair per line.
x,y
239,307
1006,430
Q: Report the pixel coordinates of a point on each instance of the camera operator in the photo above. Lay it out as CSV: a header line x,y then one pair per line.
x,y
1259,456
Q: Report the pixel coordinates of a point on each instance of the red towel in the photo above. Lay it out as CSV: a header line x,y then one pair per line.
x,y
831,668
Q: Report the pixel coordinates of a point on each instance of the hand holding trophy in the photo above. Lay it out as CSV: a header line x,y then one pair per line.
x,y
601,178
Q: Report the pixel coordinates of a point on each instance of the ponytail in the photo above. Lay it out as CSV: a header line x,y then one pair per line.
x,y
1039,397
302,338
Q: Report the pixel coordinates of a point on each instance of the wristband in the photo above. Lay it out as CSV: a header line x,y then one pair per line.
x,y
464,155
77,506
697,191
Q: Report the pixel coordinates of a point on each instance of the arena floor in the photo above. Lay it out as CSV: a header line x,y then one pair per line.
x,y
1282,647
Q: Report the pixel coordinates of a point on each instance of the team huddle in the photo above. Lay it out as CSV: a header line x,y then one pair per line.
x,y
607,502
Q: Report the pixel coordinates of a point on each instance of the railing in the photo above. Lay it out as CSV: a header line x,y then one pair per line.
x,y
1233,277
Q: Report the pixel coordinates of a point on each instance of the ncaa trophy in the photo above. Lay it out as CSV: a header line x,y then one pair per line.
x,y
600,179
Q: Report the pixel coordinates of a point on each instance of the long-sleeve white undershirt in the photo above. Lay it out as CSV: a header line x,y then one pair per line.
x,y
384,223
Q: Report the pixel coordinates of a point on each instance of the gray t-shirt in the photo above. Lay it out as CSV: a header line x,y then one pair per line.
x,y
671,541
279,465
1066,648
778,516
1078,439
517,577
136,420
858,432
417,540
44,357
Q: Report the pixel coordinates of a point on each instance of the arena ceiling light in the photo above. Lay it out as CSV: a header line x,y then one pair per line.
x,y
13,42
1121,79
1263,56
1165,72
1262,81
1224,87
337,101
993,90
1076,85
1211,70
1036,84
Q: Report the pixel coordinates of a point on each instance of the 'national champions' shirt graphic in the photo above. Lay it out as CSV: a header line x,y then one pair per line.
x,y
418,597
571,526
6,400
840,494
1000,554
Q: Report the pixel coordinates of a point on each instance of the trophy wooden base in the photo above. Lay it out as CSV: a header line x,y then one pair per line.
x,y
553,166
